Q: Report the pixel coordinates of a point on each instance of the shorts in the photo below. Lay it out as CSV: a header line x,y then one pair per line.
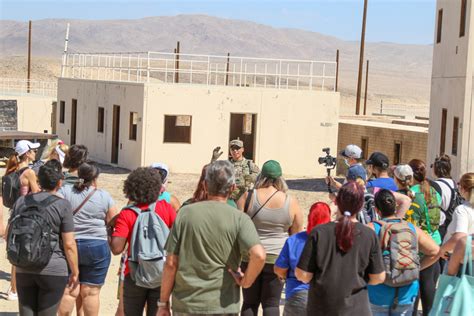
x,y
94,260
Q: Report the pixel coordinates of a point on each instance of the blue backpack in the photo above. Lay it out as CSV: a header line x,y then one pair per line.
x,y
147,248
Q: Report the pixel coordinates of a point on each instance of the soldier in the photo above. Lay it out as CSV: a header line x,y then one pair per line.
x,y
246,170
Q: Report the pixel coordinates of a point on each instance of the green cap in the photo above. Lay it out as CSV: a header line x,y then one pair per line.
x,y
271,169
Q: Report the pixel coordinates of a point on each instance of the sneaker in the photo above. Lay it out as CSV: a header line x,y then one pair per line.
x,y
12,296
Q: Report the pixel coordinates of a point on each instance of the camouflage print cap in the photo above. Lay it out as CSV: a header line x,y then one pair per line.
x,y
236,142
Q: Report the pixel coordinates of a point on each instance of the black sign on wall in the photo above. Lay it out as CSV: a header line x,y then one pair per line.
x,y
8,115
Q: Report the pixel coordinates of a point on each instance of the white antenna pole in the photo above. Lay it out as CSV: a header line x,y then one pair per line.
x,y
65,51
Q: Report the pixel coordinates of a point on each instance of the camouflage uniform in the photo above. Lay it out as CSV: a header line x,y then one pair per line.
x,y
246,172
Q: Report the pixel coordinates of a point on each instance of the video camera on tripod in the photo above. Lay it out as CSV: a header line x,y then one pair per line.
x,y
329,162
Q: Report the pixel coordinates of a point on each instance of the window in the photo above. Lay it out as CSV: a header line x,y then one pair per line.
x,y
100,120
440,26
462,26
442,145
133,126
62,110
397,153
365,147
177,129
454,149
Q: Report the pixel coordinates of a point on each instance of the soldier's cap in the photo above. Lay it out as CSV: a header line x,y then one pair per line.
x,y
236,142
271,169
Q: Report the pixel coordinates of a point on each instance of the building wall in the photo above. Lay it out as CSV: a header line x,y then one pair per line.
x,y
413,142
91,95
451,85
292,126
34,112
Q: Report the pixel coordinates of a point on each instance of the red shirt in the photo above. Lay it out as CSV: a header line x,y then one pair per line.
x,y
126,221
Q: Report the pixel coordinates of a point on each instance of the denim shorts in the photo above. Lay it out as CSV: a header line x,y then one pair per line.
x,y
94,260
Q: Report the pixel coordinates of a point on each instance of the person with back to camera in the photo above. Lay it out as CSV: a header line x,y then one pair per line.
x,y
165,195
40,287
378,166
276,215
246,170
76,156
352,155
93,208
340,259
397,297
296,294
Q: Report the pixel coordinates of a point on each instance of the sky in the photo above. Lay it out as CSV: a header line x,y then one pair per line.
x,y
399,21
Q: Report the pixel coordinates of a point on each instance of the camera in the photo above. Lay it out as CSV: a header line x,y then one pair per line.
x,y
328,161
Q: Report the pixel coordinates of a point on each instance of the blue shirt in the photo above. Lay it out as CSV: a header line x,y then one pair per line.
x,y
382,183
383,295
288,259
165,195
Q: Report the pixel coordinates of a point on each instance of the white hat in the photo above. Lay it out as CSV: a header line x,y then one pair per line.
x,y
403,172
162,166
352,151
23,146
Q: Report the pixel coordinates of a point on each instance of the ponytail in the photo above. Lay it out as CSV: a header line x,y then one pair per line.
x,y
349,200
13,164
87,174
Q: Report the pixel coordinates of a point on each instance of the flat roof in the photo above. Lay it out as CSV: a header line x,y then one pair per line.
x,y
387,125
25,135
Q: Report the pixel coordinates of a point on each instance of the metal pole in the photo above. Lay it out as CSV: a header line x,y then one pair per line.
x,y
337,69
29,58
176,74
65,50
227,70
361,59
366,85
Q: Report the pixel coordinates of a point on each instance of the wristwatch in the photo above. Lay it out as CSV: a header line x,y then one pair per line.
x,y
163,304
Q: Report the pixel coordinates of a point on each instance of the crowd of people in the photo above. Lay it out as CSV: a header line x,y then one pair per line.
x,y
379,250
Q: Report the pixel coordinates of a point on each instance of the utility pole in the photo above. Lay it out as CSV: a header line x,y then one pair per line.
x,y
64,61
337,70
361,59
176,74
29,59
227,70
366,85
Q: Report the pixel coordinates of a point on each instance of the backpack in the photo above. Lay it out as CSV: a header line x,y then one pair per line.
x,y
11,187
456,200
31,239
147,248
399,252
368,213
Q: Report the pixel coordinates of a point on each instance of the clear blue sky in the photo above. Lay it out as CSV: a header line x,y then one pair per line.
x,y
401,21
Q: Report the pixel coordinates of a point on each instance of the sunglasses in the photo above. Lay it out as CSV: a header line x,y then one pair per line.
x,y
234,148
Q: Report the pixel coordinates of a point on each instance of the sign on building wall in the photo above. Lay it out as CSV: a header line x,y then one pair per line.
x,y
183,120
8,115
247,124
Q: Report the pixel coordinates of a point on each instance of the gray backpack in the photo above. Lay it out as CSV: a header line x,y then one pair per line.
x,y
147,248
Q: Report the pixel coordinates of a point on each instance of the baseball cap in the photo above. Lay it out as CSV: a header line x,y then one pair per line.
x,y
236,142
271,169
352,151
23,146
161,166
356,171
403,172
378,159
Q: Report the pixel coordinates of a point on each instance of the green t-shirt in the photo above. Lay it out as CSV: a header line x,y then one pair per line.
x,y
209,237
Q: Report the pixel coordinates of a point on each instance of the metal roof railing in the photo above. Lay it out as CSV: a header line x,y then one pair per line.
x,y
17,86
202,69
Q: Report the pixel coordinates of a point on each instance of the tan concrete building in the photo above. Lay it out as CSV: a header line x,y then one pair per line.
x,y
451,109
399,141
144,111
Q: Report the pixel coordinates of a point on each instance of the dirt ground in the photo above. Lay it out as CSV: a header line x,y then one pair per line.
x,y
307,191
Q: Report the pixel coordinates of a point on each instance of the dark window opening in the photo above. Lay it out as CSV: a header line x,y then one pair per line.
x,y
62,111
100,120
177,129
442,145
133,127
397,153
440,26
365,147
462,26
454,149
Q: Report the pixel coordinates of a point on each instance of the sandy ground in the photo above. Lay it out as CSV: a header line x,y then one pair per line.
x,y
307,191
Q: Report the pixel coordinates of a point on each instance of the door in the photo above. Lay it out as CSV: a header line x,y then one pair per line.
x,y
115,134
243,126
73,121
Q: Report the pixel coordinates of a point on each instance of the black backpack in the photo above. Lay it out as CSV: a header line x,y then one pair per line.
x,y
11,187
31,238
456,200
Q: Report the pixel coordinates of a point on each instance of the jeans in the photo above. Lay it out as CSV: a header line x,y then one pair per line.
x,y
39,294
401,310
94,260
266,290
297,304
428,280
135,298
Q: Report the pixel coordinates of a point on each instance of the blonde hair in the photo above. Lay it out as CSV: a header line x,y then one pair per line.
x,y
52,149
467,183
278,183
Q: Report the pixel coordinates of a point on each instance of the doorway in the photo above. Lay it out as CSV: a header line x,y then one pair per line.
x,y
73,121
115,134
244,127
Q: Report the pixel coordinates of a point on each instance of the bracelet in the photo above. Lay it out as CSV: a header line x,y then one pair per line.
x,y
163,304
